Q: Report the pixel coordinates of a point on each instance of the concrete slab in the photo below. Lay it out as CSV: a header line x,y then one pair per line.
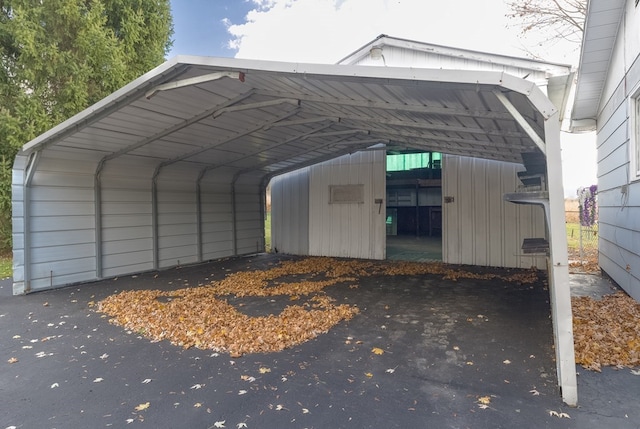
x,y
449,346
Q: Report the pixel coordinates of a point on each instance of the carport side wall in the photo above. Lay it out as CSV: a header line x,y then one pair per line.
x,y
290,213
352,230
61,229
479,227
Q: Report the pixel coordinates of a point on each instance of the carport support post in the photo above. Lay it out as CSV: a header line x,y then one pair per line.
x,y
559,289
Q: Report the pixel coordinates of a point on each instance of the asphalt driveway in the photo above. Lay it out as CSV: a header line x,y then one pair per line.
x,y
457,354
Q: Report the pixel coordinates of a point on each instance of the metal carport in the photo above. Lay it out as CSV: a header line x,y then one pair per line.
x,y
172,168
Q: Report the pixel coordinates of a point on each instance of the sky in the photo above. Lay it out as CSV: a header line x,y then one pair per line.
x,y
325,31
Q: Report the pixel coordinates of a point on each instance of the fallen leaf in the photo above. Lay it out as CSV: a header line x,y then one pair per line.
x,y
242,392
143,406
130,421
377,351
15,337
197,386
506,362
247,378
197,405
219,424
264,370
634,372
559,415
104,356
280,407
98,380
390,370
534,392
368,374
146,381
483,406
13,360
241,425
305,411
54,385
486,400
456,348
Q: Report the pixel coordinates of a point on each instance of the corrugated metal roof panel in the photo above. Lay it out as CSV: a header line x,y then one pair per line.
x,y
270,117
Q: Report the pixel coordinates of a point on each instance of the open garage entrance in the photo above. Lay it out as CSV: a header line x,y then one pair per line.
x,y
171,170
414,205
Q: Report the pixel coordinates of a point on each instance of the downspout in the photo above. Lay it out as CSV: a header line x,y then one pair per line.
x,y
28,178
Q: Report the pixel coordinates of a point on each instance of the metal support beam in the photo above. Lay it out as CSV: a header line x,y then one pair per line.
x,y
382,105
258,105
194,81
559,267
97,204
199,216
154,218
521,121
234,217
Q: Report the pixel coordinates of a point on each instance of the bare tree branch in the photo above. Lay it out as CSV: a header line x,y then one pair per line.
x,y
559,19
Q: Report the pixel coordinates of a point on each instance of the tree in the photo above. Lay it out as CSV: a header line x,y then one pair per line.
x,y
560,19
58,57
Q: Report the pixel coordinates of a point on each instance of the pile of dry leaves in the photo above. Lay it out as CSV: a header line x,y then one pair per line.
x,y
201,317
606,331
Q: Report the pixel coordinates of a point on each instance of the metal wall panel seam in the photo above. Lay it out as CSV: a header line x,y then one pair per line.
x,y
154,217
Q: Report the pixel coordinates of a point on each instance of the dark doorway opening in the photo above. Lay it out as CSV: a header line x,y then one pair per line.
x,y
414,206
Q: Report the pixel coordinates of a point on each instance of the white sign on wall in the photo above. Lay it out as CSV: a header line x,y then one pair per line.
x,y
346,194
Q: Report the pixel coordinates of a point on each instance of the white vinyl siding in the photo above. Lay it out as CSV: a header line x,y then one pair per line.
x,y
618,149
634,124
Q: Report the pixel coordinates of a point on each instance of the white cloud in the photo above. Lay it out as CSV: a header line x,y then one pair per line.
x,y
326,30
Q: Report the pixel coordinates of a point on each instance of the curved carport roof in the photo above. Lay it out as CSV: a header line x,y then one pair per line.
x,y
257,119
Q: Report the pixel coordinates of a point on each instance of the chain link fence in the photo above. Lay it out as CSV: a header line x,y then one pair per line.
x,y
582,240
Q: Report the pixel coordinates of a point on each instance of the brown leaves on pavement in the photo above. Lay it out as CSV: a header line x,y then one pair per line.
x,y
200,317
606,332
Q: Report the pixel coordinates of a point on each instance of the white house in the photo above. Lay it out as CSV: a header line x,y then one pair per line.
x,y
172,168
608,101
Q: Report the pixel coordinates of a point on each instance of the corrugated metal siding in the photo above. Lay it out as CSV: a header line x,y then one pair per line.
x,y
62,231
348,230
619,213
17,219
249,215
290,213
217,216
127,231
479,227
177,216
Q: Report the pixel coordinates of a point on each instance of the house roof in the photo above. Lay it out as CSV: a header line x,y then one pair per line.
x,y
601,29
558,78
268,118
553,69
